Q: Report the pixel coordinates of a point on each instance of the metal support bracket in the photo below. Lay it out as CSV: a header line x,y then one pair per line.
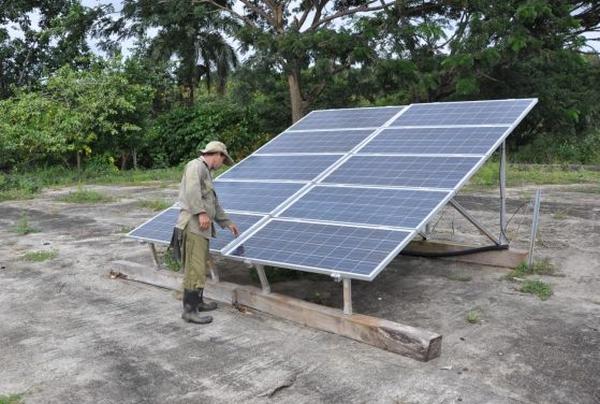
x,y
262,276
502,237
155,256
347,286
474,221
534,225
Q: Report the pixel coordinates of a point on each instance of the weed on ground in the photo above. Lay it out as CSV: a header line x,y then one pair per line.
x,y
536,287
541,267
85,196
39,256
11,399
154,204
22,227
473,317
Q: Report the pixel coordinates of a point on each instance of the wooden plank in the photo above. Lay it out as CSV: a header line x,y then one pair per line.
x,y
399,338
405,340
510,258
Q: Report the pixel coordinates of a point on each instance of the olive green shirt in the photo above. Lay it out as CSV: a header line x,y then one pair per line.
x,y
197,195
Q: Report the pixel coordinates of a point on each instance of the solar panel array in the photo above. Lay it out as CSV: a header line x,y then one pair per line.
x,y
342,192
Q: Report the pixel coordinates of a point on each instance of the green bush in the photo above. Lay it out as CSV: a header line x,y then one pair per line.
x,y
552,148
179,135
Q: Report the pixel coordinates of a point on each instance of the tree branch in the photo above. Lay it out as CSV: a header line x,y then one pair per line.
x,y
233,13
350,11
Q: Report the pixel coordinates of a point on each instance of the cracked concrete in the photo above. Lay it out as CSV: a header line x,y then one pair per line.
x,y
70,334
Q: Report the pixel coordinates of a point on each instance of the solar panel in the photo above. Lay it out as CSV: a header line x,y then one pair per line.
x,y
403,171
343,191
327,248
327,141
502,112
158,229
376,206
455,140
347,118
253,196
298,168
224,236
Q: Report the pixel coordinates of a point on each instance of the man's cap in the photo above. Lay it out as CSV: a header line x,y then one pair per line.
x,y
218,147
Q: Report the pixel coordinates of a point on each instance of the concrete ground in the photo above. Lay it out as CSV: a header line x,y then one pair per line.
x,y
70,334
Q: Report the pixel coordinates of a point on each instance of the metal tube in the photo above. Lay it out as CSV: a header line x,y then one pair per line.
x,y
502,237
347,285
474,221
534,225
262,276
155,256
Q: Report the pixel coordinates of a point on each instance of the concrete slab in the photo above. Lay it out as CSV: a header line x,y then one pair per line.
x,y
70,334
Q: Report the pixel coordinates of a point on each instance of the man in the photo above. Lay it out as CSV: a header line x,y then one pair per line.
x,y
199,210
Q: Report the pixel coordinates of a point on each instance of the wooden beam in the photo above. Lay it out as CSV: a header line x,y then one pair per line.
x,y
405,340
510,258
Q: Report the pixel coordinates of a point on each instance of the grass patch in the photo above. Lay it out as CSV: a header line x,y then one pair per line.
x,y
154,204
459,277
517,175
22,227
560,215
536,287
170,262
85,196
541,267
11,399
473,317
39,256
25,185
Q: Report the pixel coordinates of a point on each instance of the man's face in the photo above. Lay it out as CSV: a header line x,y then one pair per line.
x,y
219,159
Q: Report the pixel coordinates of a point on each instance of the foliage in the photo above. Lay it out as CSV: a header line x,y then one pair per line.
x,y
179,135
473,316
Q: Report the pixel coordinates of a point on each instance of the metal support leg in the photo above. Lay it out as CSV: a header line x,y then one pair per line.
x,y
474,221
155,256
534,226
214,271
264,282
502,237
347,282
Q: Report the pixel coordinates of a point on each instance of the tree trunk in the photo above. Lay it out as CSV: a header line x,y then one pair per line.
x,y
295,95
134,157
78,156
124,158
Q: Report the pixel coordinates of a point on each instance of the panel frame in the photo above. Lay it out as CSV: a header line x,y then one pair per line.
x,y
148,239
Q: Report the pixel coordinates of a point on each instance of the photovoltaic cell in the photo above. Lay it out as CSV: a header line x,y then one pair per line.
x,y
502,112
300,168
253,196
330,141
324,247
467,140
159,229
224,236
408,171
347,118
388,207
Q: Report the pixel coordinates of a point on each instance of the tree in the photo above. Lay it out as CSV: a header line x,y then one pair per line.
x,y
296,36
187,31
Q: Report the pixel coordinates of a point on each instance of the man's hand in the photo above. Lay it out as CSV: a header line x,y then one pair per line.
x,y
204,221
234,229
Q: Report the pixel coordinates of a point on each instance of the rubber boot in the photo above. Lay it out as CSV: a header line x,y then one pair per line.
x,y
205,306
190,308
